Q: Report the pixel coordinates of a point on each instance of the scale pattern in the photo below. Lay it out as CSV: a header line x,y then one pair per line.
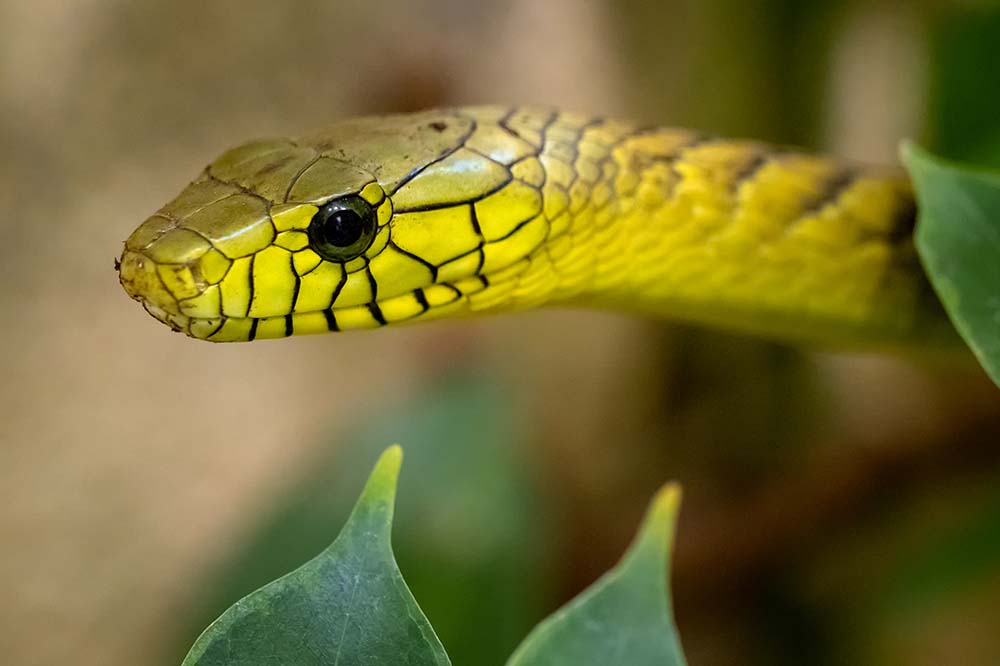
x,y
486,209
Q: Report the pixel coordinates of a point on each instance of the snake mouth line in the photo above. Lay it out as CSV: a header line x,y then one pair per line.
x,y
422,304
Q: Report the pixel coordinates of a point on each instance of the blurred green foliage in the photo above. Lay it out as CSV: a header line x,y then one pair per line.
x,y
750,68
964,100
350,605
464,471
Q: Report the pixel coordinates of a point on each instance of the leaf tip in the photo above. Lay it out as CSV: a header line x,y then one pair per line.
x,y
911,153
668,499
661,517
391,456
382,482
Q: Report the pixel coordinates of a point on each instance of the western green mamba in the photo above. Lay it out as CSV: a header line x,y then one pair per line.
x,y
385,220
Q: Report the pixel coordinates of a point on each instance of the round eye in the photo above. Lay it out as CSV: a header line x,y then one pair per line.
x,y
342,229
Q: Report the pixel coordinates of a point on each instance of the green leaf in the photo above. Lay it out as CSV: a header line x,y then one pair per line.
x,y
348,606
449,492
958,239
625,617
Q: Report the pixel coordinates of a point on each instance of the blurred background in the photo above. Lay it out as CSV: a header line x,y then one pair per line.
x,y
839,509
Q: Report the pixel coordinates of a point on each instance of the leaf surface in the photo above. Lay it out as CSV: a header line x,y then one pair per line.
x,y
348,606
626,617
958,239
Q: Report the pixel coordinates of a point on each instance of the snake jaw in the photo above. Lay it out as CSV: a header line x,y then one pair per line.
x,y
177,323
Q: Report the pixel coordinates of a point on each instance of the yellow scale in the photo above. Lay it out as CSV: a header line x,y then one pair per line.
x,y
484,209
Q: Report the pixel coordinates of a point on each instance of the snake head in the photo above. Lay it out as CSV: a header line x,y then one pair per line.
x,y
376,221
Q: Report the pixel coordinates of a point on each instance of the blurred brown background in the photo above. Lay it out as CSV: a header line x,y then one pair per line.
x,y
839,508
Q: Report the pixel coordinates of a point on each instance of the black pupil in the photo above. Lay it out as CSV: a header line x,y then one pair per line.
x,y
343,228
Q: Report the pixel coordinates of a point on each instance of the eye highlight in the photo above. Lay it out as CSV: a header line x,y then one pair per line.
x,y
343,229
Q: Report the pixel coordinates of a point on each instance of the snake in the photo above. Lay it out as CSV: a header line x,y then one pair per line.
x,y
385,220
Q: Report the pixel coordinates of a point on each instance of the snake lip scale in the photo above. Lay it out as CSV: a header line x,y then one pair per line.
x,y
142,281
383,220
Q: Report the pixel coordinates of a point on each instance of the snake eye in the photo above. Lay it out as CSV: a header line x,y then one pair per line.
x,y
342,229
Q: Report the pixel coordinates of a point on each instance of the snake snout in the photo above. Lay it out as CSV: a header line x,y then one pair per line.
x,y
172,271
141,280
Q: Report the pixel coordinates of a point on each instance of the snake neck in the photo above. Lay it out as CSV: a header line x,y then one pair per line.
x,y
735,234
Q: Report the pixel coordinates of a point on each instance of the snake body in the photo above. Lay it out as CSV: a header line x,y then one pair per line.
x,y
484,209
